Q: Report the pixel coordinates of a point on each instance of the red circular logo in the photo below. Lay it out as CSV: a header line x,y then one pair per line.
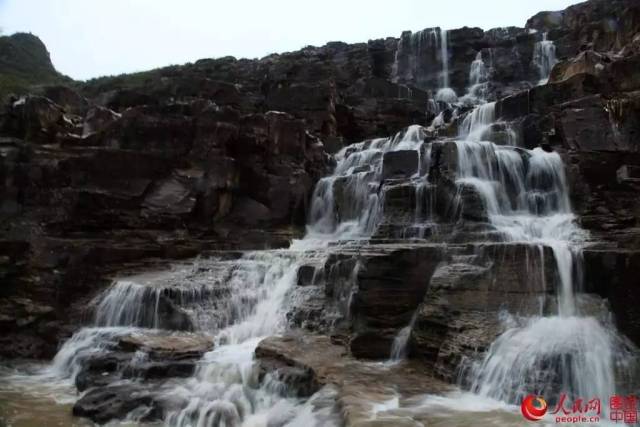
x,y
533,407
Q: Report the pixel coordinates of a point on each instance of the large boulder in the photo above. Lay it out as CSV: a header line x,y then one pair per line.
x,y
71,101
584,125
460,313
143,356
174,195
390,285
97,119
587,62
281,358
115,402
35,118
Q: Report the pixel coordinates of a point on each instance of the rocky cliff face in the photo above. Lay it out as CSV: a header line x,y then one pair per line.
x,y
460,216
86,193
119,172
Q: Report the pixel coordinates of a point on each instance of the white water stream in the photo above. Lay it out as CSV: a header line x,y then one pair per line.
x,y
239,302
544,57
565,351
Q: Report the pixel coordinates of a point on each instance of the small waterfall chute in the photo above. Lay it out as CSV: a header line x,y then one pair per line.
x,y
544,58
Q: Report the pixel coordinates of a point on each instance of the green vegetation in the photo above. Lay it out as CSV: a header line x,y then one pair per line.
x,y
25,64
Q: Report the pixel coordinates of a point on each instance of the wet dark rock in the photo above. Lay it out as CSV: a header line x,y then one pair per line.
x,y
306,275
585,125
628,174
460,314
19,319
115,402
587,62
156,181
250,211
390,284
35,118
401,163
354,384
590,24
611,274
276,359
173,347
224,154
509,50
143,357
399,201
469,204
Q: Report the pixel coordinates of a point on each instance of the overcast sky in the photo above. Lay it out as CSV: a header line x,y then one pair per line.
x,y
89,38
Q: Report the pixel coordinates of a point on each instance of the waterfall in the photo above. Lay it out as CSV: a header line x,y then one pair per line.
x,y
544,58
445,92
401,341
413,56
527,201
416,59
224,385
478,79
476,123
348,203
444,57
478,71
238,302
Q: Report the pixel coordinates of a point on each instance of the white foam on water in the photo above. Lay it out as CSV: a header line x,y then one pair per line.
x,y
446,94
525,193
526,196
461,401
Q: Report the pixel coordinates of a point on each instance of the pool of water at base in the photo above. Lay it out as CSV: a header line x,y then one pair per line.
x,y
29,401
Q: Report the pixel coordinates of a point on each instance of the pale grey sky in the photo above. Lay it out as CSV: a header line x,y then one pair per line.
x,y
89,38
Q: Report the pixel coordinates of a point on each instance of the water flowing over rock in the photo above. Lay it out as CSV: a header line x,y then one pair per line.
x,y
332,236
544,57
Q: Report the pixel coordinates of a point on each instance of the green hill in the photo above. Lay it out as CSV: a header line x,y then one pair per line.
x,y
25,63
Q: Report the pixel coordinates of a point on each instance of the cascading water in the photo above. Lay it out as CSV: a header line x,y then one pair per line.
x,y
401,341
445,92
225,388
544,58
416,62
444,57
240,301
414,55
527,200
478,72
478,80
569,347
347,204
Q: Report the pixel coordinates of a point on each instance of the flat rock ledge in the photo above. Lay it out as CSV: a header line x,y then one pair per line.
x,y
307,363
129,374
